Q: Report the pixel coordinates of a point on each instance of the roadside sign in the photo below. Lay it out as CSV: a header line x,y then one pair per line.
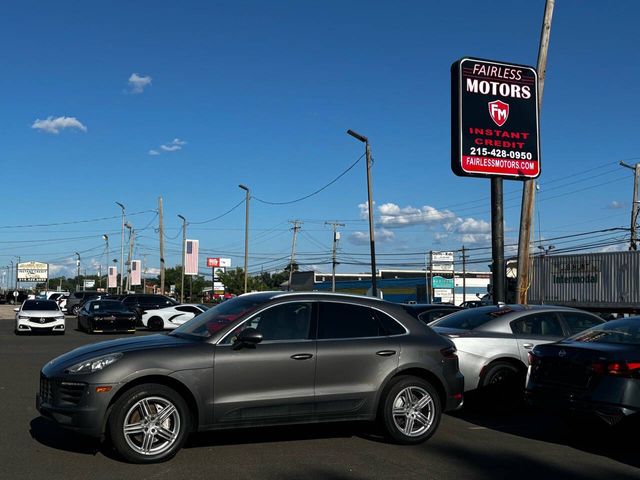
x,y
494,119
89,283
440,282
442,267
218,262
442,257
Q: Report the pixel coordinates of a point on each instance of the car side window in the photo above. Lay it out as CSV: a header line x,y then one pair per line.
x,y
391,326
287,321
431,315
188,309
343,320
577,322
542,324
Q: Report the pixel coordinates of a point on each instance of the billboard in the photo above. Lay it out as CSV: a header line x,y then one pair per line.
x,y
33,272
494,119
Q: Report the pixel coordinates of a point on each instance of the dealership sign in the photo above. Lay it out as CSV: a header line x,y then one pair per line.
x,y
33,272
494,119
218,262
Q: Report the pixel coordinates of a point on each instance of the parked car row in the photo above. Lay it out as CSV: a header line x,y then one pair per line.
x,y
282,357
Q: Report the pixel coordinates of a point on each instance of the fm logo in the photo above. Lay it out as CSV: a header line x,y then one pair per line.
x,y
499,112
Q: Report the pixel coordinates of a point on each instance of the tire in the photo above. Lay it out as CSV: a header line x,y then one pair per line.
x,y
75,309
503,376
129,410
410,410
155,323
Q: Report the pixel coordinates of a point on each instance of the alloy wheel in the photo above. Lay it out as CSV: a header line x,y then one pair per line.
x,y
151,426
413,411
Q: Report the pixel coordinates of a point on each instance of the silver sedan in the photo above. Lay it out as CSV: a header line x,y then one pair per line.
x,y
493,342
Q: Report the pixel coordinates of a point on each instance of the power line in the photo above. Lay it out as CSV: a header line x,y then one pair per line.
x,y
312,193
74,222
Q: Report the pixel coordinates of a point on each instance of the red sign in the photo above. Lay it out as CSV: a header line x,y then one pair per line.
x,y
213,262
494,113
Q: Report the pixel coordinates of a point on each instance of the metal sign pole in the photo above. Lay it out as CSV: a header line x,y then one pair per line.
x,y
497,241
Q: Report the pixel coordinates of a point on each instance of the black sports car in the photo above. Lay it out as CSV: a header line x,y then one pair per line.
x,y
106,316
596,372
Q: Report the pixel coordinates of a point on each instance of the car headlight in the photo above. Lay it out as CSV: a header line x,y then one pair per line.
x,y
95,364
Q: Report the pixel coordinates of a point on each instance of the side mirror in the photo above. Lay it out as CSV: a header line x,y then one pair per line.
x,y
16,309
249,337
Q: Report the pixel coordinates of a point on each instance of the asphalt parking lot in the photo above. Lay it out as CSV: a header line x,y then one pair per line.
x,y
471,444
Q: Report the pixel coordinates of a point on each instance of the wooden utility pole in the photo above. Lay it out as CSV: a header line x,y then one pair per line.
x,y
464,276
336,237
296,227
184,245
633,243
161,232
528,189
132,236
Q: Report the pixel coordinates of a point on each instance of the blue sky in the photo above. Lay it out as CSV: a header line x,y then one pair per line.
x,y
262,93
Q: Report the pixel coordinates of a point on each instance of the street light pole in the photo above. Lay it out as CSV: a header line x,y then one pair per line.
x,y
121,250
184,242
105,237
78,272
365,140
246,234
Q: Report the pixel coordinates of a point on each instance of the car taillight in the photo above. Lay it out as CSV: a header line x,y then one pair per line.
x,y
619,369
532,358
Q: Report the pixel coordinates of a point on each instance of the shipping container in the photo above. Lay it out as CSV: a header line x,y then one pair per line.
x,y
604,282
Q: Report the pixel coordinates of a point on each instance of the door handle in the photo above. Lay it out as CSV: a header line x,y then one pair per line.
x,y
386,353
527,346
301,356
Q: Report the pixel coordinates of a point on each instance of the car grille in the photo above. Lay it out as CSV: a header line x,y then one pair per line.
x,y
560,373
42,319
54,391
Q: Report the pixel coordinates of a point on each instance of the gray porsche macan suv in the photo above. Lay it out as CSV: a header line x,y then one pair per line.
x,y
266,358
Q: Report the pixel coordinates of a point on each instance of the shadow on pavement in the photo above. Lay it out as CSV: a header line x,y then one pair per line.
x,y
48,433
289,433
586,434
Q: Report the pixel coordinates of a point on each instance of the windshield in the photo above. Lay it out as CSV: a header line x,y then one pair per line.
x,y
40,305
218,317
625,331
103,306
471,319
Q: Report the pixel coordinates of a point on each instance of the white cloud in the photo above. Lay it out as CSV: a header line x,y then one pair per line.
x,y
138,83
472,226
393,216
173,146
382,235
615,205
153,271
621,247
54,125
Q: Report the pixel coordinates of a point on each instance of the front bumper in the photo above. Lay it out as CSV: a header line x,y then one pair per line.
x,y
117,325
37,325
74,405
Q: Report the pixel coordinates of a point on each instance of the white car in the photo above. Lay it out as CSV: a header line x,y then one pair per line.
x,y
39,316
171,317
